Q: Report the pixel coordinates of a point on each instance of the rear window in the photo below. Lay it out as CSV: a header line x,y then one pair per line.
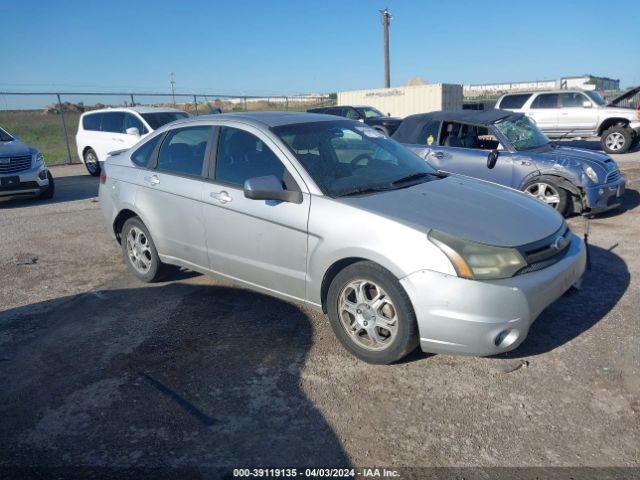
x,y
112,122
514,101
91,122
158,119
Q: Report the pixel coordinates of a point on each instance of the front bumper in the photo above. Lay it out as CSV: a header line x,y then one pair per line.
x,y
471,317
635,126
601,198
28,182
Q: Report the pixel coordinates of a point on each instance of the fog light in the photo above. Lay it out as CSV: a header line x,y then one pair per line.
x,y
600,191
42,175
506,338
500,337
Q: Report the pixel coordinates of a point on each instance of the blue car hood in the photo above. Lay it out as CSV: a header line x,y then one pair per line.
x,y
575,157
14,148
470,209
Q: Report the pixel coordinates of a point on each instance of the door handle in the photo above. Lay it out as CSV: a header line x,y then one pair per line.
x,y
437,154
152,180
524,162
222,197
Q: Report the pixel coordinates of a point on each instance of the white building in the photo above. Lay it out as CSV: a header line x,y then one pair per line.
x,y
584,82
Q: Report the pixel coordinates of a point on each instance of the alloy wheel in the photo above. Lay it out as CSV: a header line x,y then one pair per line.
x,y
544,192
139,250
615,141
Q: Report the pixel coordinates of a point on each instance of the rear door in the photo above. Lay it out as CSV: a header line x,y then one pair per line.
x,y
170,194
263,243
545,111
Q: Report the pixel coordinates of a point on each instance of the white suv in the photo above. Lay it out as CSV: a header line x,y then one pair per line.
x,y
103,131
578,114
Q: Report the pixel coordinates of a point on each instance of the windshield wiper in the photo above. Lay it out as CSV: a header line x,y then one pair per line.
x,y
367,189
412,177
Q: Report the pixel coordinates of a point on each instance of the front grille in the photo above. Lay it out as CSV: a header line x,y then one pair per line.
x,y
613,176
544,253
14,164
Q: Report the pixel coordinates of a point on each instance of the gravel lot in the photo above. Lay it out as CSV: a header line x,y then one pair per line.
x,y
98,369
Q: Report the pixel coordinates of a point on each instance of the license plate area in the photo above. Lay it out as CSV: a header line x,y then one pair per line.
x,y
9,181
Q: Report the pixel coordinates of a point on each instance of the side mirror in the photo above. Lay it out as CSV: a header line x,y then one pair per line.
x,y
388,114
270,188
133,131
587,104
492,158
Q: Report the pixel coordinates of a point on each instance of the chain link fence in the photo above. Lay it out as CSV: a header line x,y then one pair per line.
x,y
49,120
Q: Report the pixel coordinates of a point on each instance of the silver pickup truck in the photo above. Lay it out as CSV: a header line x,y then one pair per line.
x,y
578,114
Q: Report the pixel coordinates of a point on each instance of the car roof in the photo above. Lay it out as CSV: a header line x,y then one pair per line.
x,y
268,119
573,90
137,109
411,126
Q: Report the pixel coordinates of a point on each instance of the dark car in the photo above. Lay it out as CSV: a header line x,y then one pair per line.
x,y
507,148
369,115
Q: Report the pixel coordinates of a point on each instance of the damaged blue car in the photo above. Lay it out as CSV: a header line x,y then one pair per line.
x,y
507,148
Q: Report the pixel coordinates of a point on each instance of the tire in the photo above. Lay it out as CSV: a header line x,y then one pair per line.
x,y
48,193
616,140
139,251
548,190
92,163
394,323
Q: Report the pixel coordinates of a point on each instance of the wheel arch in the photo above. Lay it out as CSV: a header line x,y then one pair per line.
x,y
612,122
118,222
558,179
333,270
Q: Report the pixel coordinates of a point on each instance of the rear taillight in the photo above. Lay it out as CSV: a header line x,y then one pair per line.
x,y
103,175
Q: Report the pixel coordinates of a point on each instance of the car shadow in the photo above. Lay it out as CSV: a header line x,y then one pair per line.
x,y
174,376
576,312
68,189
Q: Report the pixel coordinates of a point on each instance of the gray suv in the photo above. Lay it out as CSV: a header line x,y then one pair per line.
x,y
331,214
578,114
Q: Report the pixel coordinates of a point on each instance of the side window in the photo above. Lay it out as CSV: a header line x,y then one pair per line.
x,y
429,133
450,136
351,113
242,155
131,121
91,122
112,122
183,150
514,101
142,155
545,100
572,99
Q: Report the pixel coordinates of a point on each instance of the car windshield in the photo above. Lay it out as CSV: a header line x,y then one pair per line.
x,y
595,96
522,133
158,119
4,136
349,158
370,112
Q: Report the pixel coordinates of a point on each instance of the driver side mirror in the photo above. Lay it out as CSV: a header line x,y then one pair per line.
x,y
492,158
270,188
133,131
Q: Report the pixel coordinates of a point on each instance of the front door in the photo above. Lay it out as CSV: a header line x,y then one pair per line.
x,y
574,117
263,243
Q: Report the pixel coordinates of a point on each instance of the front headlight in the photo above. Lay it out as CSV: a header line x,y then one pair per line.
x,y
476,260
39,159
591,173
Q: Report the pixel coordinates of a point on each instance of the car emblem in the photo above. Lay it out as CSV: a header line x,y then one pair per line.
x,y
5,160
559,244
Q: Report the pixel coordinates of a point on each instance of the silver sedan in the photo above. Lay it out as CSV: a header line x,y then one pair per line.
x,y
329,213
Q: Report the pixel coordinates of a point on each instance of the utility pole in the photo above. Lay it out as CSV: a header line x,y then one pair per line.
x,y
173,88
386,20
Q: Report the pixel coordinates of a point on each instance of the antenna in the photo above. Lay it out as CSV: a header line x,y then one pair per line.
x,y
173,88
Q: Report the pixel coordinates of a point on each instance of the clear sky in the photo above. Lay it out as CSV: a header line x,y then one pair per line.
x,y
303,46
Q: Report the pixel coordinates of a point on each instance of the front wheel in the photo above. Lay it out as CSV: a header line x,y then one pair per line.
x,y
49,191
139,251
550,193
92,163
616,140
371,314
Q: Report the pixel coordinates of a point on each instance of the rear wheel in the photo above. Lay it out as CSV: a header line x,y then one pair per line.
x,y
616,140
371,314
550,193
139,251
91,162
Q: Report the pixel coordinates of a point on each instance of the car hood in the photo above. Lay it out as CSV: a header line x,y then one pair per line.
x,y
576,157
14,148
467,208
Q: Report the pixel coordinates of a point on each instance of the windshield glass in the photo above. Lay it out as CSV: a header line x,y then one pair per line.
x,y
4,136
157,119
370,112
349,158
522,133
595,96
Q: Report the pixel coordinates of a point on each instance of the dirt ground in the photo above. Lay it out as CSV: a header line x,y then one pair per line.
x,y
100,370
